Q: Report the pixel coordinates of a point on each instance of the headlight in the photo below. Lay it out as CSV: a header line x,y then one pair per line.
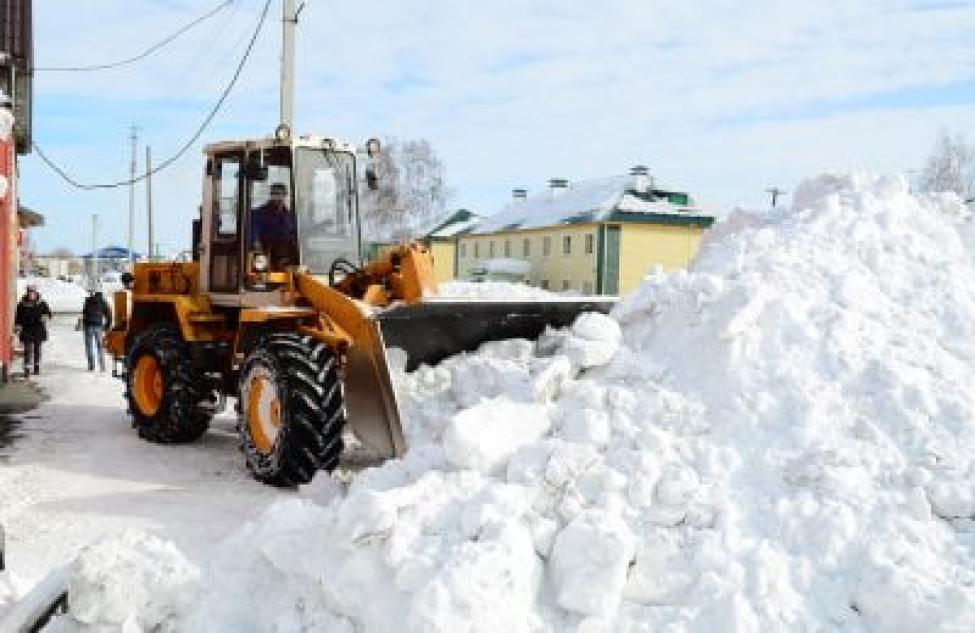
x,y
283,133
260,263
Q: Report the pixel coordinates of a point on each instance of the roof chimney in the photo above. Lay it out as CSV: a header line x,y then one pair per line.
x,y
518,195
557,185
642,183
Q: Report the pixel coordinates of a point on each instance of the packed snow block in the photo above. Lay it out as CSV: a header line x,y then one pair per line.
x,y
492,510
484,436
661,572
589,561
893,598
489,585
951,499
480,377
593,340
548,377
568,461
133,581
584,426
367,515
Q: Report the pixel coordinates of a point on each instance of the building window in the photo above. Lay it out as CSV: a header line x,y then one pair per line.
x,y
507,248
587,287
565,285
477,250
567,245
463,250
544,282
589,241
527,247
546,246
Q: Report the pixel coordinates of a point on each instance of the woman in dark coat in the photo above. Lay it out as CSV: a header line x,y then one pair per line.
x,y
31,314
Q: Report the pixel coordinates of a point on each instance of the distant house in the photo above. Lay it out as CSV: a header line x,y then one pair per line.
x,y
442,241
598,236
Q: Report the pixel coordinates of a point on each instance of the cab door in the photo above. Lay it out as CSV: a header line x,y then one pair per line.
x,y
226,223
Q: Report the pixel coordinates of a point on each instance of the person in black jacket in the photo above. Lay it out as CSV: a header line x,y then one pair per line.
x,y
96,317
29,322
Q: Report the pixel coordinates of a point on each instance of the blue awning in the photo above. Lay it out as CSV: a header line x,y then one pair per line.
x,y
113,252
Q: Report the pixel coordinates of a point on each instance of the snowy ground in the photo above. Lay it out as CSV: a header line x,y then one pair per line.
x,y
80,472
781,439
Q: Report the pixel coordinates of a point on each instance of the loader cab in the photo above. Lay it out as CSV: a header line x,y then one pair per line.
x,y
321,219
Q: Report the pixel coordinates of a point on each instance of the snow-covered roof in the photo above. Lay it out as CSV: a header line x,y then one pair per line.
x,y
452,225
455,228
586,201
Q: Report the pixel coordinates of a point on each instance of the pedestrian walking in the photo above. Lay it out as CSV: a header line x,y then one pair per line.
x,y
29,322
96,319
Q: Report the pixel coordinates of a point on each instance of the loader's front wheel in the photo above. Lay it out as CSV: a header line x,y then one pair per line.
x,y
163,391
291,409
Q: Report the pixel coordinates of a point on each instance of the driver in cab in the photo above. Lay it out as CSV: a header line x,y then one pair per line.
x,y
273,229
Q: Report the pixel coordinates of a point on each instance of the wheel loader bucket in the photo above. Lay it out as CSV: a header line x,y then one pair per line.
x,y
429,332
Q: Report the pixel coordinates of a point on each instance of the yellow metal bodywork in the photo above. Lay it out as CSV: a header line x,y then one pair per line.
x,y
337,316
342,316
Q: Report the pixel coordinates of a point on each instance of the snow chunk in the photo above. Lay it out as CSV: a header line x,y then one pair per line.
x,y
593,340
132,581
485,435
589,562
951,499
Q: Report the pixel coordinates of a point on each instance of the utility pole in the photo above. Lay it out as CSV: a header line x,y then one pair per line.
x,y
134,138
94,250
776,192
150,252
289,21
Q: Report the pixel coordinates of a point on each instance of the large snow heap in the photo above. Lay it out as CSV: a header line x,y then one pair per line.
x,y
781,439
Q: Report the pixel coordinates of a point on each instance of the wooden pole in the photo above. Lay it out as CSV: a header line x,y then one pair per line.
x,y
151,251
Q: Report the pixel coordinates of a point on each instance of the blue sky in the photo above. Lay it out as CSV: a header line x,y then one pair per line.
x,y
720,98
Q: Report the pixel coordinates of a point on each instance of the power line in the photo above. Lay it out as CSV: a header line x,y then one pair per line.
x,y
185,147
146,53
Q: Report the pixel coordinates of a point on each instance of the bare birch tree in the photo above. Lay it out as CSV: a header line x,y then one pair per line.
x,y
950,167
411,191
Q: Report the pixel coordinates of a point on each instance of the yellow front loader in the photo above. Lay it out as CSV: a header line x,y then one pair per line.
x,y
297,333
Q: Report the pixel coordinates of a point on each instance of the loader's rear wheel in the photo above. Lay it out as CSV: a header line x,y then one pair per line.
x,y
163,391
291,409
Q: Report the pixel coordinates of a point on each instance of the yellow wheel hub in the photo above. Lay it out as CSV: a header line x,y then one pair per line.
x,y
263,411
147,385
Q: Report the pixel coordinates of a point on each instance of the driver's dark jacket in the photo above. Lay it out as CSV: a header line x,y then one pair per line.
x,y
272,227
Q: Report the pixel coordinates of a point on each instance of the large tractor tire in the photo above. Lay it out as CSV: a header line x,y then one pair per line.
x,y
163,390
291,409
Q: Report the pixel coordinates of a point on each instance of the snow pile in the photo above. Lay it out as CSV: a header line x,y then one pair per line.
x,y
782,439
61,296
492,290
132,581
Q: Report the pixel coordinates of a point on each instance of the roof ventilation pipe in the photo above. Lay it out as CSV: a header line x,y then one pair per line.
x,y
557,186
642,182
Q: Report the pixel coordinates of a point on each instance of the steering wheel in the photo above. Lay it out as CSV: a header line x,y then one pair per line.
x,y
340,264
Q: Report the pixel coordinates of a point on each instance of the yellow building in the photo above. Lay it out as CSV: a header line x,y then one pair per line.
x,y
594,237
442,240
